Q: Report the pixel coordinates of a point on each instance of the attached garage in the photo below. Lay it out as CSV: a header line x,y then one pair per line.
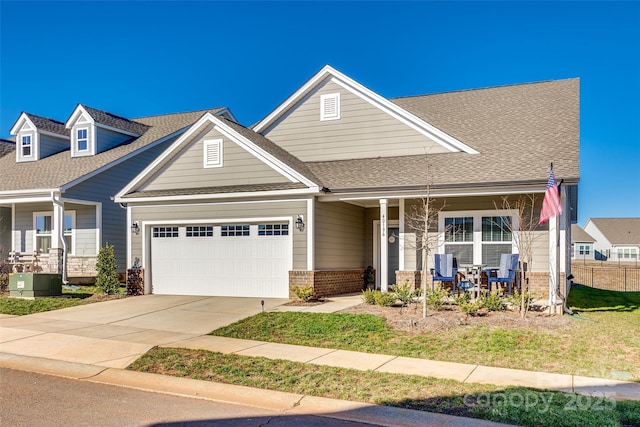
x,y
230,259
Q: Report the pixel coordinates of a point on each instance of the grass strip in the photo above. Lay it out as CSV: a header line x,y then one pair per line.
x,y
613,332
514,405
69,298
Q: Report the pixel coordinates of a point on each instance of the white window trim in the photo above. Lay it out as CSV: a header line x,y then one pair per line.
x,y
30,136
323,112
77,141
70,251
477,229
206,144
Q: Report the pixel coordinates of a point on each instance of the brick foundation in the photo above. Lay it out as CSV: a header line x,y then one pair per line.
x,y
412,277
328,282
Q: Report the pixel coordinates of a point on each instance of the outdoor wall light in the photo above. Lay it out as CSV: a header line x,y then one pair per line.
x,y
300,223
135,227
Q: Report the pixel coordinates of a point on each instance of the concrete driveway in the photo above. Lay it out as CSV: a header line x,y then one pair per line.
x,y
115,333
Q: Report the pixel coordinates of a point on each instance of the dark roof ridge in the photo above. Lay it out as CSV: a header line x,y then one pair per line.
x,y
43,117
204,110
115,116
486,88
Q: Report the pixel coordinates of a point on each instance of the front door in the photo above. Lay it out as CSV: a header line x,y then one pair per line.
x,y
393,254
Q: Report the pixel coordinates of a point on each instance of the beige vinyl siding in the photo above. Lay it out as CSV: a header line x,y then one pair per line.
x,y
102,187
339,236
187,169
107,139
363,131
220,211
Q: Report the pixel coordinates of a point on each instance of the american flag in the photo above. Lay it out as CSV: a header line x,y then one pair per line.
x,y
551,206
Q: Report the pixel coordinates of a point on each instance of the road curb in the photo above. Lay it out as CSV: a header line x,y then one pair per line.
x,y
287,403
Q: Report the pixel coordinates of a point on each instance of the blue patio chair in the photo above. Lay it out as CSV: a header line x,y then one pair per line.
x,y
506,273
444,270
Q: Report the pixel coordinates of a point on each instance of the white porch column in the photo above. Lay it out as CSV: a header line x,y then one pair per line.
x,y
401,237
553,259
384,246
57,226
310,233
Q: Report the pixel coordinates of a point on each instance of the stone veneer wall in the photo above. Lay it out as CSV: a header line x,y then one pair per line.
x,y
328,282
81,266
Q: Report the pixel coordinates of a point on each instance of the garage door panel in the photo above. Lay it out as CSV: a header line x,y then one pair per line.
x,y
254,265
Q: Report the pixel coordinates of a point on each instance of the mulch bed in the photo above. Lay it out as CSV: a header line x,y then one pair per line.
x,y
410,319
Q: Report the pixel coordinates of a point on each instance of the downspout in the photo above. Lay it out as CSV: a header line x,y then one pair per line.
x,y
59,203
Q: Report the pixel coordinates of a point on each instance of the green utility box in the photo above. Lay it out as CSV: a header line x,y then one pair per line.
x,y
31,285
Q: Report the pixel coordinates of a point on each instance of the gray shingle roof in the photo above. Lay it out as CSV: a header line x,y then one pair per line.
x,y
579,235
217,190
518,130
114,121
6,147
59,169
49,125
619,231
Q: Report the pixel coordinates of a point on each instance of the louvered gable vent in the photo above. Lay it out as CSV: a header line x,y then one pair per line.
x,y
213,153
330,106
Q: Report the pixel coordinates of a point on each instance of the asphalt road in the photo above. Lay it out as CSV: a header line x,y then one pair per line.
x,y
29,399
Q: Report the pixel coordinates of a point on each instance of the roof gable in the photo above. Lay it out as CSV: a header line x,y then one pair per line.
x,y
39,123
106,120
255,151
328,73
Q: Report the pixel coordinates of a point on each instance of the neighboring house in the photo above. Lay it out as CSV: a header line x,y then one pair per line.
x,y
616,239
6,147
581,244
318,190
56,190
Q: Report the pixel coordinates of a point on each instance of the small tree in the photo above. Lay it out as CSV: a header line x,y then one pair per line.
x,y
523,236
107,277
422,218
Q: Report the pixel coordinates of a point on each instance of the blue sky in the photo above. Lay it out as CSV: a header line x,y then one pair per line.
x,y
143,58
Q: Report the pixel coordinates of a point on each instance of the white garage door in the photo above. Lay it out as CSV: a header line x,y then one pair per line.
x,y
247,260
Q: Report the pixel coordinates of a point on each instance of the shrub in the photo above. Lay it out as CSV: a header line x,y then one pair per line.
x,y
470,308
404,293
385,299
436,298
369,296
304,293
492,301
107,277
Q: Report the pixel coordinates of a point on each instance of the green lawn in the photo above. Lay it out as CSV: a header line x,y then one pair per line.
x,y
602,340
514,405
19,306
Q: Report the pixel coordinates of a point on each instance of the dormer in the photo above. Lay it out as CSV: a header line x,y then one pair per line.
x,y
38,137
94,131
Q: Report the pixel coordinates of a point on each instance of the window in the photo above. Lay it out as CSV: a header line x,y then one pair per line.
x,y
273,230
458,232
584,249
477,237
234,230
213,153
200,231
330,107
26,145
82,140
43,231
165,231
496,239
